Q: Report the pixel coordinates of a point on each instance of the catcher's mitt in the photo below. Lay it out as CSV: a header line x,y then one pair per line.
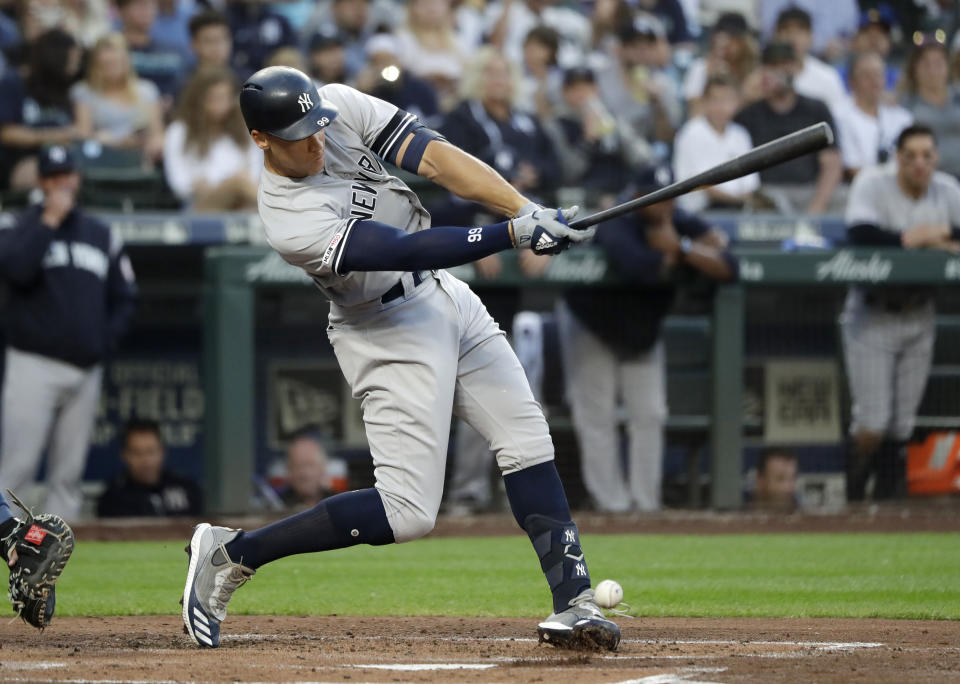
x,y
43,544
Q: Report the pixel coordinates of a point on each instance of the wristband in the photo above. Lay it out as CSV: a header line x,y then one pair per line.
x,y
686,244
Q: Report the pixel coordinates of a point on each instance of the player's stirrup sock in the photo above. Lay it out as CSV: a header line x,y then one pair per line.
x,y
342,520
540,506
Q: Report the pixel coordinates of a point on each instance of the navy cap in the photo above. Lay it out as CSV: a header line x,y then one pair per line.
x,y
732,23
643,25
56,159
578,74
325,39
881,15
778,52
651,177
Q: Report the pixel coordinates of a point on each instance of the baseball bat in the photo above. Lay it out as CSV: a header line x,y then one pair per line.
x,y
804,141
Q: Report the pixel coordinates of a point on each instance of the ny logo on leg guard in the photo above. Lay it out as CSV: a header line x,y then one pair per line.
x,y
557,544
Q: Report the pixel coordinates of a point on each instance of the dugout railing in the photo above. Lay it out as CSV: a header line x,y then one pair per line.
x,y
233,275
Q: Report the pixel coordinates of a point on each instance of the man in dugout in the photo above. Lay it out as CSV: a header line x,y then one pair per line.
x,y
888,332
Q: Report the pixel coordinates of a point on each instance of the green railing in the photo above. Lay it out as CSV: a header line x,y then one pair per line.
x,y
232,274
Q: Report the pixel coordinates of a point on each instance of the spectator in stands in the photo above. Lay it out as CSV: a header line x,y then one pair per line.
x,y
172,24
145,487
257,32
35,109
114,107
876,24
487,125
509,21
327,59
833,22
867,127
594,152
813,78
71,298
429,47
288,56
208,158
732,53
354,23
309,483
670,12
611,343
85,21
776,486
927,93
160,62
385,79
541,84
808,183
608,17
210,40
710,139
888,332
635,89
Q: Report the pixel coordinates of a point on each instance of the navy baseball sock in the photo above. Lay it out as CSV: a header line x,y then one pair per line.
x,y
540,507
343,520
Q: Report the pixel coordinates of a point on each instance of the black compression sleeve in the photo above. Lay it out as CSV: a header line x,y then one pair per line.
x,y
375,246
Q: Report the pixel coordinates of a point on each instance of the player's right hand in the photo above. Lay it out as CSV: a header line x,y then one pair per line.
x,y
546,231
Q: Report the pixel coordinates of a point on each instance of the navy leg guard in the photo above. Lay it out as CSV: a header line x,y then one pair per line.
x,y
343,520
540,506
557,544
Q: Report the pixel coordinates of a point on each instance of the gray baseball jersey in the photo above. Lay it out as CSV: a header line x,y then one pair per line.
x,y
413,360
308,220
889,352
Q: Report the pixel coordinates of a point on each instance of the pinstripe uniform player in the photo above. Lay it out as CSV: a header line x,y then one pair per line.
x,y
414,342
888,333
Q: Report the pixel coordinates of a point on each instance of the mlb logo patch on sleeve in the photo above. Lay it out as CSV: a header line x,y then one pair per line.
x,y
35,535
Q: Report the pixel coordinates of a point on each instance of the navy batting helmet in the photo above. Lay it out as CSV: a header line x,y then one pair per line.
x,y
284,102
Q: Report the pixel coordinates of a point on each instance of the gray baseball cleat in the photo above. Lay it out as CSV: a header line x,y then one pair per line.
x,y
211,580
582,626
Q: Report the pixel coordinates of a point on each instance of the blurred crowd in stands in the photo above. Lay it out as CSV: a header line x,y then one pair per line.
x,y
554,94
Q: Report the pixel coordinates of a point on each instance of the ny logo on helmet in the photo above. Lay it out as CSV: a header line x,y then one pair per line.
x,y
305,102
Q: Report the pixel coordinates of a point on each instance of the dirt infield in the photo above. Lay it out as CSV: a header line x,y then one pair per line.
x,y
348,649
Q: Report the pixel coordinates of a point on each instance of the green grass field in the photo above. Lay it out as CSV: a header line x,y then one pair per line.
x,y
798,575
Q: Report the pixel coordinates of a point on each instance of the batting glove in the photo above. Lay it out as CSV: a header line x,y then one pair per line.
x,y
546,231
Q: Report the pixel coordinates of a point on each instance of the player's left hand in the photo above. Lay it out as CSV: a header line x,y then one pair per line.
x,y
547,231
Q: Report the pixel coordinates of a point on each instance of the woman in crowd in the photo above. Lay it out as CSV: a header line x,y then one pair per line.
x,y
114,107
35,109
208,157
430,48
926,91
732,53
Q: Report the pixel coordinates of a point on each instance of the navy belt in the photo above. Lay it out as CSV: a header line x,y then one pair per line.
x,y
397,290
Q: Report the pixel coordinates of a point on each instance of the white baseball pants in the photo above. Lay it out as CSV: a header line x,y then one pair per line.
x,y
47,404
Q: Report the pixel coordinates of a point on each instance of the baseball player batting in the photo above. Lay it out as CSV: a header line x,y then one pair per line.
x,y
414,342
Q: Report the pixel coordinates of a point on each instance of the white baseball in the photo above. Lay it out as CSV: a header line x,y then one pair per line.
x,y
608,594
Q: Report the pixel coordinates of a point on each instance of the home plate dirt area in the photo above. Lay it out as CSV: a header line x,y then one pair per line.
x,y
381,649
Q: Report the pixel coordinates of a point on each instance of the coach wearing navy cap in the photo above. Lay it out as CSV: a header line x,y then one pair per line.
x,y
610,338
71,298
